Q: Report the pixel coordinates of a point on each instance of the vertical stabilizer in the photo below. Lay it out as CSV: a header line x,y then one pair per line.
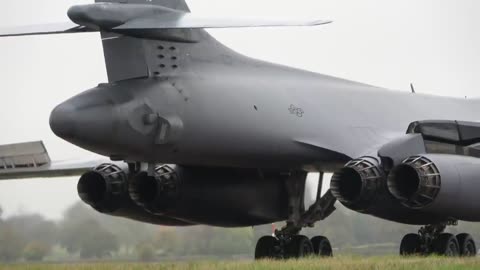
x,y
128,57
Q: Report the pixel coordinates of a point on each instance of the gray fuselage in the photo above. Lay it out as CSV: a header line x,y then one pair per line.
x,y
218,108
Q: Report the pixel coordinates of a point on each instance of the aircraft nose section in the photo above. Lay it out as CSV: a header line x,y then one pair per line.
x,y
62,120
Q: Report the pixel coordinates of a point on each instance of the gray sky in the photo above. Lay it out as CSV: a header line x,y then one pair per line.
x,y
433,43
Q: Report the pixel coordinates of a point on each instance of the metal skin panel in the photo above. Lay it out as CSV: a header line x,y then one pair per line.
x,y
386,207
394,152
132,63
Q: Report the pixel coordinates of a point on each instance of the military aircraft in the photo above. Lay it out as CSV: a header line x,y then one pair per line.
x,y
196,133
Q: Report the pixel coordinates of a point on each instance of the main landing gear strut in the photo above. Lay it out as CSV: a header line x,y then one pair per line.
x,y
432,239
287,242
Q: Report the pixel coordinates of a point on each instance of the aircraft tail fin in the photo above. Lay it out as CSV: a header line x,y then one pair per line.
x,y
126,57
145,38
158,45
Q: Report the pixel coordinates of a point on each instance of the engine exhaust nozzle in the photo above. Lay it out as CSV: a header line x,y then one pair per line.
x,y
357,183
416,182
103,187
155,193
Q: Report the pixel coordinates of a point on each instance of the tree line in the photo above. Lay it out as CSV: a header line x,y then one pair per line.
x,y
84,234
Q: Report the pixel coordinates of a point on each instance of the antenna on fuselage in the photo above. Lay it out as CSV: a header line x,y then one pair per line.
x,y
413,88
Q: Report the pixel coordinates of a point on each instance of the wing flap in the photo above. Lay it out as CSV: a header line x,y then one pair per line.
x,y
23,155
55,169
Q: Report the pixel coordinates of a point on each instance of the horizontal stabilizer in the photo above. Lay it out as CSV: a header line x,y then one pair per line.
x,y
31,160
43,29
143,21
189,21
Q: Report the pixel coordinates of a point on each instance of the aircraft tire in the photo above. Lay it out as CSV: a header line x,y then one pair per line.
x,y
466,244
321,246
266,248
410,245
446,245
298,247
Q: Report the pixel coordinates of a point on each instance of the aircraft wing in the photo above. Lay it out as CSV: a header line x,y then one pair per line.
x,y
31,160
43,29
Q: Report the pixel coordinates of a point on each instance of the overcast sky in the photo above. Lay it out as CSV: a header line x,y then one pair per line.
x,y
433,43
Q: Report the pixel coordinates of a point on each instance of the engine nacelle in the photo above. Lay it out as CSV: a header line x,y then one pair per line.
x,y
223,197
443,184
362,186
358,183
105,188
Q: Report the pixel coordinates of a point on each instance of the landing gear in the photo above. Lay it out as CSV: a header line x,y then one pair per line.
x,y
446,244
466,244
298,247
411,244
432,239
267,248
322,246
287,242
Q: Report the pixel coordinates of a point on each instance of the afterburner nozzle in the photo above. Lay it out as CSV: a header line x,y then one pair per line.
x,y
356,185
416,182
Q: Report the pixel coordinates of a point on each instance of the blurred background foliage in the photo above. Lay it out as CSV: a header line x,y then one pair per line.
x,y
83,234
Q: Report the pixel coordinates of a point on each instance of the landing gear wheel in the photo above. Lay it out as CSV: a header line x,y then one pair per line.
x,y
321,246
411,245
266,248
466,244
446,244
298,247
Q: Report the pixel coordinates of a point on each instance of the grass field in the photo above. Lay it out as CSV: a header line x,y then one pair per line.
x,y
337,263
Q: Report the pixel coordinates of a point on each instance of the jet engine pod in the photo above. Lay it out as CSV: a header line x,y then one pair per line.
x,y
443,184
225,197
416,182
156,193
357,184
104,188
